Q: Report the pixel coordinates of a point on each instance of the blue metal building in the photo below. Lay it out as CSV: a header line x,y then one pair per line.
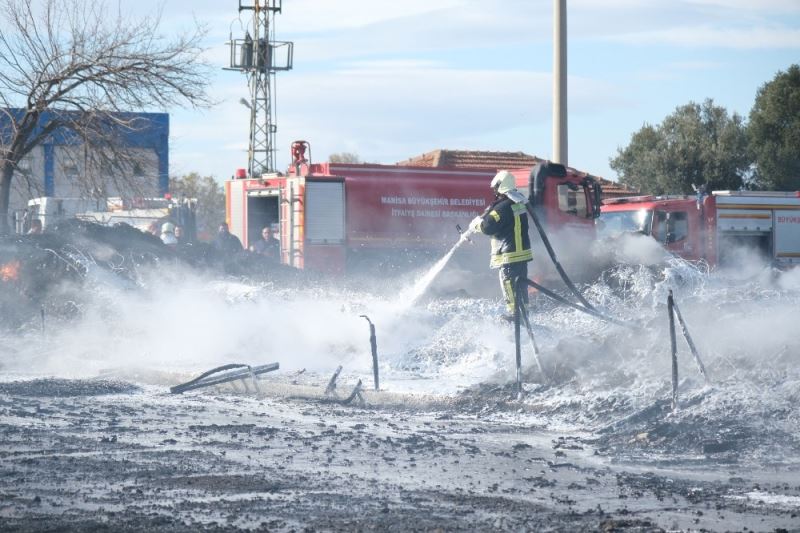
x,y
150,132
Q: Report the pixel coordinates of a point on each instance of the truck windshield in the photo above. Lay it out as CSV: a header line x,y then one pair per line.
x,y
614,223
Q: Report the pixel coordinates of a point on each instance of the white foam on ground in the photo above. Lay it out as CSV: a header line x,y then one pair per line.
x,y
180,324
768,498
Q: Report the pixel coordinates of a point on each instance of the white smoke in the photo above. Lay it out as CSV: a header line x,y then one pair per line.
x,y
178,323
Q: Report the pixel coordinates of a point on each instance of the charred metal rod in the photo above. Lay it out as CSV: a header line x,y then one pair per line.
x,y
673,349
689,341
254,377
527,321
207,379
331,388
355,394
517,344
593,312
298,374
373,344
215,370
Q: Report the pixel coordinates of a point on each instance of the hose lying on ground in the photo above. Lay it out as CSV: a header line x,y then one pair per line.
x,y
588,310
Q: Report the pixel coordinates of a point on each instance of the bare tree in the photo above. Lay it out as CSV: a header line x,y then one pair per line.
x,y
76,68
210,199
344,157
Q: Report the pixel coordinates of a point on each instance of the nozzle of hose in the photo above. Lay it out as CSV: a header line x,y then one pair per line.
x,y
464,234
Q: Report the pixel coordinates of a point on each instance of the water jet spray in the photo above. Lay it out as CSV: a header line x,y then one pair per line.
x,y
424,282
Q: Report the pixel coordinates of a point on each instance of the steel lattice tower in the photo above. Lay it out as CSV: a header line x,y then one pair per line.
x,y
260,57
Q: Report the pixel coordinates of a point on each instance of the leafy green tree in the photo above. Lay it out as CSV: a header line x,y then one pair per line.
x,y
698,144
774,132
210,199
639,164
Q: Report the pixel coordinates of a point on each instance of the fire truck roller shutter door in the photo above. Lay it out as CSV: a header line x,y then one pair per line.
x,y
325,212
787,237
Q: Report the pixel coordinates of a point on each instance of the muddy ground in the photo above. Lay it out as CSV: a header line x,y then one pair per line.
x,y
108,455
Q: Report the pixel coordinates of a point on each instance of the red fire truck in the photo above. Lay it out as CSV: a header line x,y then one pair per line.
x,y
340,217
712,227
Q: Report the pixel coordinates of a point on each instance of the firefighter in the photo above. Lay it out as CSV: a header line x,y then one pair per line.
x,y
506,222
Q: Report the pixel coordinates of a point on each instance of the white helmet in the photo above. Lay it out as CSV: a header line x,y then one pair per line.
x,y
504,182
167,227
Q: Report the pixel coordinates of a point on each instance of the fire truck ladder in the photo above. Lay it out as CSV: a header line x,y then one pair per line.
x,y
294,207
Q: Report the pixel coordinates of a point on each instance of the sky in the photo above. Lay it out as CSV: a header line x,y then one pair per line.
x,y
389,79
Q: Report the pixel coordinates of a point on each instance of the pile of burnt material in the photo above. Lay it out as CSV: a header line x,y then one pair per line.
x,y
46,271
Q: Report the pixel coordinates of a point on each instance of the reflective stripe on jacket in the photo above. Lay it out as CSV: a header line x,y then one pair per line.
x,y
507,224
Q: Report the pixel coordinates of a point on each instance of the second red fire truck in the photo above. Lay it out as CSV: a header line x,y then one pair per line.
x,y
713,227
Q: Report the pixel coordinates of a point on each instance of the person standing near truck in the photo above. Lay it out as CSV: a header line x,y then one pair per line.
x,y
506,222
268,246
226,242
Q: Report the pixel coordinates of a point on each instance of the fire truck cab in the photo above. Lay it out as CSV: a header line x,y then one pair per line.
x,y
345,217
712,227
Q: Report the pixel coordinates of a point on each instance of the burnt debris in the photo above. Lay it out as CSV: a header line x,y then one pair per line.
x,y
48,271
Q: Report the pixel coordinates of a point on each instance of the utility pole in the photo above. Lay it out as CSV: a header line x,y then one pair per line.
x,y
560,148
260,57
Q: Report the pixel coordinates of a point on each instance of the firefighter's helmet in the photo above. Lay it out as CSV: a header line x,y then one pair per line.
x,y
503,182
167,227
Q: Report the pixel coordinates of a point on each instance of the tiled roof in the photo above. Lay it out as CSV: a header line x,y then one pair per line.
x,y
612,189
471,159
498,160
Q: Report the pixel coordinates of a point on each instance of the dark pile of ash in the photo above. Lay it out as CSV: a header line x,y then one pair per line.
x,y
46,272
64,388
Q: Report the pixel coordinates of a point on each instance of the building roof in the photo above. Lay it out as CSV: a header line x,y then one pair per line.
x,y
472,159
612,189
499,160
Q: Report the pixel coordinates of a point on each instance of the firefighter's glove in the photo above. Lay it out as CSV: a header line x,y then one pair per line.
x,y
475,225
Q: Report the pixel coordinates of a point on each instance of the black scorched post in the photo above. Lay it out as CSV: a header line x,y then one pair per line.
x,y
673,348
690,342
517,344
373,344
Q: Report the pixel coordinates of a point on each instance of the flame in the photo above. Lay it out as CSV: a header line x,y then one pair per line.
x,y
10,271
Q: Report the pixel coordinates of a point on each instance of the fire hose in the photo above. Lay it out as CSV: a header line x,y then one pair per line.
x,y
588,310
586,307
536,184
561,272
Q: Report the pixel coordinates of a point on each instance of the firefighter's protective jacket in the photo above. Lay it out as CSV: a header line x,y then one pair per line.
x,y
507,224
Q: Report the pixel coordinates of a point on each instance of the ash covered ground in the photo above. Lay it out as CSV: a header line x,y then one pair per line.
x,y
92,439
